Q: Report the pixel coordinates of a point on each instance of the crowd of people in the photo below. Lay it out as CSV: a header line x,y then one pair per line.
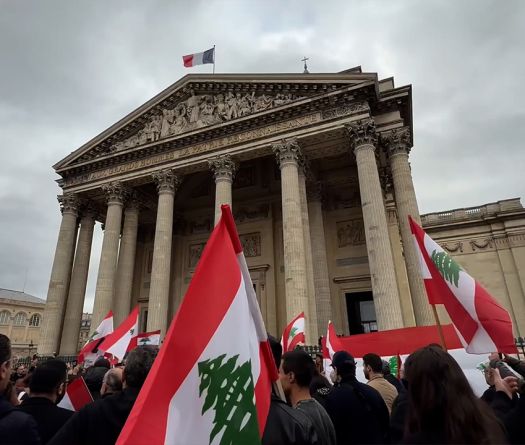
x,y
431,403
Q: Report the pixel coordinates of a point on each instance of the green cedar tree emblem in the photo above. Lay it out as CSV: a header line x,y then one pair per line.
x,y
392,362
92,336
145,341
230,392
293,331
447,267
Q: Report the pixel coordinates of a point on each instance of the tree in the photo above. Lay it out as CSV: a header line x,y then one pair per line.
x,y
446,266
230,392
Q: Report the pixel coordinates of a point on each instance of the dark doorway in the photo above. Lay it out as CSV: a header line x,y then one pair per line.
x,y
361,312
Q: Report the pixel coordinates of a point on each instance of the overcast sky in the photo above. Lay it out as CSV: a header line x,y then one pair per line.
x,y
68,70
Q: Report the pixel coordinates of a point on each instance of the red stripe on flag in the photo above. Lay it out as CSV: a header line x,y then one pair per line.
x,y
78,393
495,320
232,230
263,387
180,352
188,60
438,291
299,338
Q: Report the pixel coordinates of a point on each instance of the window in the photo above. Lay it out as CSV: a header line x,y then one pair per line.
x,y
20,319
4,317
34,320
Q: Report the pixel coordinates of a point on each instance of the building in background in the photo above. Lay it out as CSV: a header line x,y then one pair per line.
x,y
85,327
21,319
316,169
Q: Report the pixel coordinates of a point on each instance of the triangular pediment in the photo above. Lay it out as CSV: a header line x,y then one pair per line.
x,y
199,102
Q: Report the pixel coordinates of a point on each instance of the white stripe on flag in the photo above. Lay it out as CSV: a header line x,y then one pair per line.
x,y
66,403
185,418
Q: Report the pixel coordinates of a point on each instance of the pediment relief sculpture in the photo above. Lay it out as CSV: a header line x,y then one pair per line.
x,y
199,111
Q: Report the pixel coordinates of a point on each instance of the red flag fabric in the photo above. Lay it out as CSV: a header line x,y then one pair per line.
x,y
117,342
392,342
293,334
77,395
145,338
90,352
483,325
211,382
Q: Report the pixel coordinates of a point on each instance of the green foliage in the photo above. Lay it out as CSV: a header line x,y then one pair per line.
x,y
392,362
230,392
447,267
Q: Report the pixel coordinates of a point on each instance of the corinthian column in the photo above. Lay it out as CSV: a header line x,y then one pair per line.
x,y
319,258
107,268
398,143
296,288
167,184
60,276
77,287
312,307
126,262
380,260
223,170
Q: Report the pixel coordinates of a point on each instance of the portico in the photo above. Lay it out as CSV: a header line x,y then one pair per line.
x,y
306,162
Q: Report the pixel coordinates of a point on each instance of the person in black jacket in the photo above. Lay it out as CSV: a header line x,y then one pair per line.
x,y
358,412
285,425
94,376
48,385
392,379
100,422
16,427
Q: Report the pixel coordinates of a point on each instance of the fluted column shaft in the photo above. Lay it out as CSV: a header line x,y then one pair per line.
x,y
223,170
295,281
126,263
167,183
406,203
319,260
312,303
380,260
60,276
108,256
77,287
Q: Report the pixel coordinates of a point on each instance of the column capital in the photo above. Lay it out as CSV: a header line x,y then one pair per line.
x,y
69,203
133,203
167,181
397,141
362,132
116,192
287,151
88,210
223,167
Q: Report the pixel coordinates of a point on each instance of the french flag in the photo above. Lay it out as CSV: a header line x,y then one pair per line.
x,y
207,56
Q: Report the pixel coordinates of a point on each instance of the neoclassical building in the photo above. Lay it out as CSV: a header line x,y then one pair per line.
x,y
316,169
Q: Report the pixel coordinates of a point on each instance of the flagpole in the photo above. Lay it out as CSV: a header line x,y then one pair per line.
x,y
440,328
213,59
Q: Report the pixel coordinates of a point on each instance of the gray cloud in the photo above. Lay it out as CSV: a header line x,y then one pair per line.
x,y
71,69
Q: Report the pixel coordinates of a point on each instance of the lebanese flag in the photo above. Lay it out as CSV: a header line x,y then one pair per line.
x,y
483,325
212,379
145,339
207,56
90,351
293,334
77,395
332,342
117,343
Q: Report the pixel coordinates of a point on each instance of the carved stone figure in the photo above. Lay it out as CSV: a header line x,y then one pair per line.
x,y
350,233
168,117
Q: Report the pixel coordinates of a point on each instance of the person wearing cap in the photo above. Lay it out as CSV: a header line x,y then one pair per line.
x,y
358,412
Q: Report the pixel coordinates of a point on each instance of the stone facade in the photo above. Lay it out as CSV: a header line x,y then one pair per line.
x,y
21,319
316,169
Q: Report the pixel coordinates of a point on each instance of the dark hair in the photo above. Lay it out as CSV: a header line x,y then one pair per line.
x,y
277,349
374,361
441,401
301,364
5,348
102,362
138,364
48,377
